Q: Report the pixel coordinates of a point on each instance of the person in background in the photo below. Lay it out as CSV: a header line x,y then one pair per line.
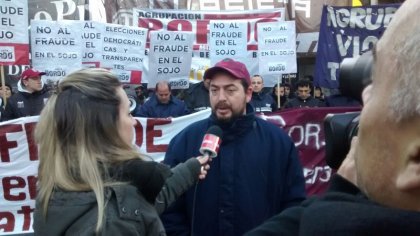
x,y
260,101
279,91
304,98
197,96
31,97
162,104
90,170
256,174
5,92
288,91
377,189
140,95
318,94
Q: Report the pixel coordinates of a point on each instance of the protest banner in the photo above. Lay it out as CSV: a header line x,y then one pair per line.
x,y
14,39
347,32
228,40
123,51
306,13
198,23
170,58
19,159
18,175
277,48
56,47
92,43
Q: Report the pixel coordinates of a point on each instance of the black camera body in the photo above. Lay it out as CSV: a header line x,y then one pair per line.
x,y
355,75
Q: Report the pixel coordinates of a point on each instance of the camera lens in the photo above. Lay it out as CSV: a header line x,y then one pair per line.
x,y
355,75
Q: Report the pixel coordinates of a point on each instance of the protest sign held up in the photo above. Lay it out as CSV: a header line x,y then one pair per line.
x,y
170,58
227,40
277,48
14,40
56,47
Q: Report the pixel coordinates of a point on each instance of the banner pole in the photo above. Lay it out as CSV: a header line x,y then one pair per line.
x,y
278,95
3,84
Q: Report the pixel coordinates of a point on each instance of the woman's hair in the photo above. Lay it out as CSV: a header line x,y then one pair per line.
x,y
78,137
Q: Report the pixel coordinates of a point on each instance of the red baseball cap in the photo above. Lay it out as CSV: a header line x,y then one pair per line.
x,y
30,73
235,68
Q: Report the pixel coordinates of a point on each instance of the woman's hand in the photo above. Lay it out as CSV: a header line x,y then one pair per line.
x,y
205,166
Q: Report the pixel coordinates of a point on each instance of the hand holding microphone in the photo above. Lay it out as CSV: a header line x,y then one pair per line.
x,y
209,148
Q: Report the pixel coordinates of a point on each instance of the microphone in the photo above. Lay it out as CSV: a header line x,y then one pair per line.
x,y
211,142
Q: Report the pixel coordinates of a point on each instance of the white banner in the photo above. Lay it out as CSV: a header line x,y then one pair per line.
x,y
18,175
14,40
56,47
19,162
92,43
277,48
228,40
198,22
19,159
170,58
123,50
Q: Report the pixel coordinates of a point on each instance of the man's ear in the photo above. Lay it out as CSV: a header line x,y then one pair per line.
x,y
409,177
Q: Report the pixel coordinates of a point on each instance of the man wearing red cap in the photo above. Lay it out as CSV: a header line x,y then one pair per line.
x,y
30,98
256,173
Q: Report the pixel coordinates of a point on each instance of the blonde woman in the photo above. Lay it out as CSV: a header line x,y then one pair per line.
x,y
92,181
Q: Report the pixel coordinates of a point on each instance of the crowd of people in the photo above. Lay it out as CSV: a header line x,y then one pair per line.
x,y
163,102
92,179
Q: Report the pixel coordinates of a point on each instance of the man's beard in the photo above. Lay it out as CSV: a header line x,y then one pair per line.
x,y
232,118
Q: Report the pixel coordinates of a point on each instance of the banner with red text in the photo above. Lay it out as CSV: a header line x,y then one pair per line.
x,y
14,40
198,22
19,160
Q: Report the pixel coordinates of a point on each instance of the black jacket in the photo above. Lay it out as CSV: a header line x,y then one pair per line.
x,y
309,102
197,97
23,104
129,209
343,210
263,102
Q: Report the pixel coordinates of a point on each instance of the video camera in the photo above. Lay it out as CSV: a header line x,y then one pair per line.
x,y
355,75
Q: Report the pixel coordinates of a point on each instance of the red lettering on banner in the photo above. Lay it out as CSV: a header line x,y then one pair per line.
x,y
17,182
202,26
10,221
33,148
139,133
153,133
32,186
5,144
26,212
202,31
174,25
150,24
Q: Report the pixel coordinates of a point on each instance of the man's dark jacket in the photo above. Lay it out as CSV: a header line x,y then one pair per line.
x,y
298,102
256,175
197,97
344,210
23,104
263,102
152,108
